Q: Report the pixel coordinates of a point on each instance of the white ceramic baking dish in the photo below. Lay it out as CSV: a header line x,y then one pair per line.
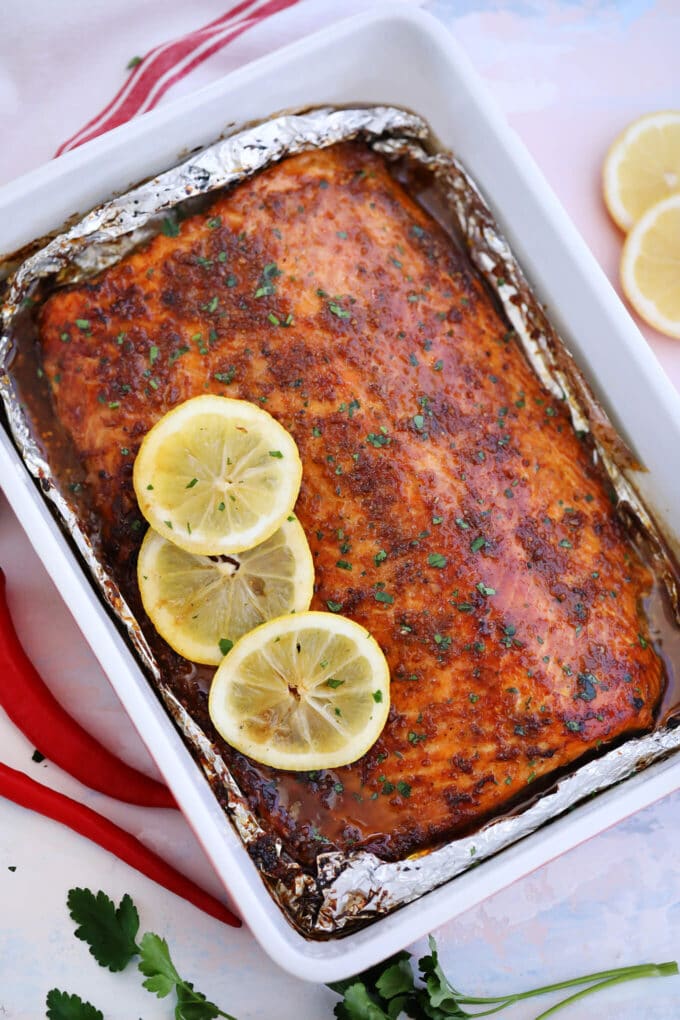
x,y
402,58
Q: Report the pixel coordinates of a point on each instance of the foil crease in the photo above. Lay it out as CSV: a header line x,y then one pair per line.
x,y
348,889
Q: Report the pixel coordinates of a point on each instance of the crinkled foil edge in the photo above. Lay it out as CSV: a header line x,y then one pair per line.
x,y
349,889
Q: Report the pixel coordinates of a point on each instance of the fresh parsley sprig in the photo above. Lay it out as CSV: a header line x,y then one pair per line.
x,y
389,990
111,934
385,992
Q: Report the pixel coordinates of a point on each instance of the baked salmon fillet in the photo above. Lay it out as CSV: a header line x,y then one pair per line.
x,y
450,507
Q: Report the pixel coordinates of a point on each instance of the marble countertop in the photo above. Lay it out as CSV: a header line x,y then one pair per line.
x,y
569,76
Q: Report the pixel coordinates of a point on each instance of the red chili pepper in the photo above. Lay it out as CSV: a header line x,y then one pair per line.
x,y
20,788
36,712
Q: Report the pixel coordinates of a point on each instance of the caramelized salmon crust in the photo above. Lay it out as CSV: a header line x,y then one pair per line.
x,y
450,507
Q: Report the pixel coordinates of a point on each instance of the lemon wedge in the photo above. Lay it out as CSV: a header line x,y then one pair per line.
x,y
202,604
650,266
642,167
216,475
308,691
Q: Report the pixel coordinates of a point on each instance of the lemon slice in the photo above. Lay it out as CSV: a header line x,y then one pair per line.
x,y
650,266
642,167
217,475
309,691
202,604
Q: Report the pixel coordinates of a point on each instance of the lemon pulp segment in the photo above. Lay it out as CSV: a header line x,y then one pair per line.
x,y
302,692
642,166
217,475
201,605
650,266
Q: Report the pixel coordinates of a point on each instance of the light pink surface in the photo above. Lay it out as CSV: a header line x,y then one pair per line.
x,y
568,76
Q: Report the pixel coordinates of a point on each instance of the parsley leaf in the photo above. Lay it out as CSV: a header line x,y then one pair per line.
x,y
358,1005
155,963
192,1005
396,979
162,979
62,1006
109,931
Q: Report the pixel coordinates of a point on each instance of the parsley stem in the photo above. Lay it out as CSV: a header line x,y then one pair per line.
x,y
617,975
631,973
196,997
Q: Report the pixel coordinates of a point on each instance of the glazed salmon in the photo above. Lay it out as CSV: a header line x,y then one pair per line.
x,y
450,506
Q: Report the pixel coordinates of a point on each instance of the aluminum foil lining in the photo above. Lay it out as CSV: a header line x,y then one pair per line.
x,y
348,889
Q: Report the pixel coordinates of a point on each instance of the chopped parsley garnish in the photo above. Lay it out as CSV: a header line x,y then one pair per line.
x,y
177,354
226,645
225,377
170,228
383,596
190,485
332,681
379,557
587,687
276,453
378,439
338,310
437,560
83,324
477,543
153,354
344,565
335,607
266,285
377,696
